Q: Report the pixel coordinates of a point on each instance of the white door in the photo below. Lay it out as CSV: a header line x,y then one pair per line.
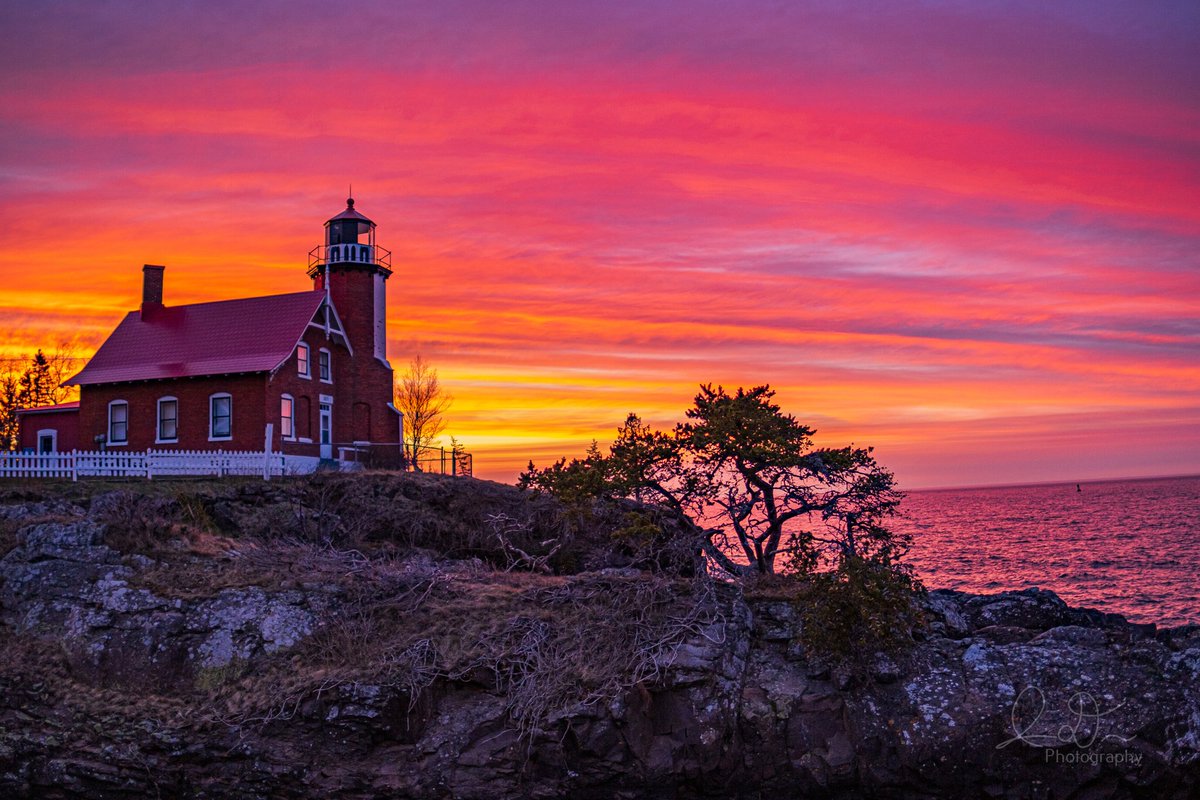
x,y
326,428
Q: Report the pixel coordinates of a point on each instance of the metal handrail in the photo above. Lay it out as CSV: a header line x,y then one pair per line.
x,y
442,461
317,256
435,460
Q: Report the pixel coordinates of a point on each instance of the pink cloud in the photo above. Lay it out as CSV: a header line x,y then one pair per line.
x,y
986,214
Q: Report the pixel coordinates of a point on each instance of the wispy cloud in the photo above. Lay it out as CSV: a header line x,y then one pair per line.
x,y
916,219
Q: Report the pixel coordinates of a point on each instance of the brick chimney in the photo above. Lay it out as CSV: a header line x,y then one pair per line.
x,y
152,288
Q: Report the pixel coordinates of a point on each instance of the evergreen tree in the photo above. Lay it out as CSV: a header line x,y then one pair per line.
x,y
8,412
36,386
31,384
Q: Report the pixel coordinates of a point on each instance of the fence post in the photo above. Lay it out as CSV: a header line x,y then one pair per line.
x,y
267,452
75,465
149,472
443,461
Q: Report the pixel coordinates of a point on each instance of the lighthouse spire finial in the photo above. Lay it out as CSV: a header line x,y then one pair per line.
x,y
350,196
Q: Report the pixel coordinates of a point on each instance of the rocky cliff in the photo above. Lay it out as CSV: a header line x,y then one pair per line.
x,y
312,640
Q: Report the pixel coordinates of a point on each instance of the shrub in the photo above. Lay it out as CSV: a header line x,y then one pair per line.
x,y
858,609
137,522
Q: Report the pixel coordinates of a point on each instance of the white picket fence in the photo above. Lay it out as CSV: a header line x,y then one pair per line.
x,y
152,464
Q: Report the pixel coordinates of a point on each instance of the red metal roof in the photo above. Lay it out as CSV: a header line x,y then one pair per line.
x,y
351,213
72,406
254,334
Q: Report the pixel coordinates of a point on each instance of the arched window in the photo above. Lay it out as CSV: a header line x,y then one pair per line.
x,y
167,431
220,417
118,422
335,253
287,417
325,365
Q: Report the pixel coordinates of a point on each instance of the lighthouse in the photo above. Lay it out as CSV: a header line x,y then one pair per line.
x,y
354,271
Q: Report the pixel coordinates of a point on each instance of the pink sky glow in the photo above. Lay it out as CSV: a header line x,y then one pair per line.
x,y
964,233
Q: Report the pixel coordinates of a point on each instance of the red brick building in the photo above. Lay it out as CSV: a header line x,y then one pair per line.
x,y
41,429
312,365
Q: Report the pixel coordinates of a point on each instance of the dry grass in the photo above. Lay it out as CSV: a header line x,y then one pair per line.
x,y
454,518
420,587
548,644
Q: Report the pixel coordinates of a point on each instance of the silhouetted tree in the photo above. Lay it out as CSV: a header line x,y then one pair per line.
x,y
36,386
8,411
746,477
64,361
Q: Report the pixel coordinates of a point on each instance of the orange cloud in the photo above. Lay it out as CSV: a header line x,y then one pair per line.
x,y
961,253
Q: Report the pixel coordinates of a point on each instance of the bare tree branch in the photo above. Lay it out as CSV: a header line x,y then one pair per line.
x,y
421,398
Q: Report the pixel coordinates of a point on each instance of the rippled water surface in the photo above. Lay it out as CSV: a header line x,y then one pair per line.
x,y
1131,547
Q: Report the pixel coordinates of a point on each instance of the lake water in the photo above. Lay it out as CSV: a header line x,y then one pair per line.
x,y
1130,547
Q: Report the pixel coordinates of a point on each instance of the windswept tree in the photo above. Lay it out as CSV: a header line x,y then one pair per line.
x,y
747,478
420,397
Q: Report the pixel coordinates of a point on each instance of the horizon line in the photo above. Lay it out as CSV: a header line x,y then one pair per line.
x,y
1089,481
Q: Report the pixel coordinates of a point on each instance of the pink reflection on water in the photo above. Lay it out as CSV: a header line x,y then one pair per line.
x,y
1130,547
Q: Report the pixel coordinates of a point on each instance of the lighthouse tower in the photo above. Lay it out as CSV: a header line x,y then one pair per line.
x,y
353,270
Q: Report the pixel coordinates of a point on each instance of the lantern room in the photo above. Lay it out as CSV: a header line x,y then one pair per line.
x,y
349,242
349,227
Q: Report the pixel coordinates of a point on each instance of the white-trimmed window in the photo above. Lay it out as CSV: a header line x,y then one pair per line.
x,y
287,417
47,440
220,417
325,365
168,421
303,365
118,422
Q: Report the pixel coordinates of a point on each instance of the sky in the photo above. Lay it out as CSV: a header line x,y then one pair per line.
x,y
966,234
